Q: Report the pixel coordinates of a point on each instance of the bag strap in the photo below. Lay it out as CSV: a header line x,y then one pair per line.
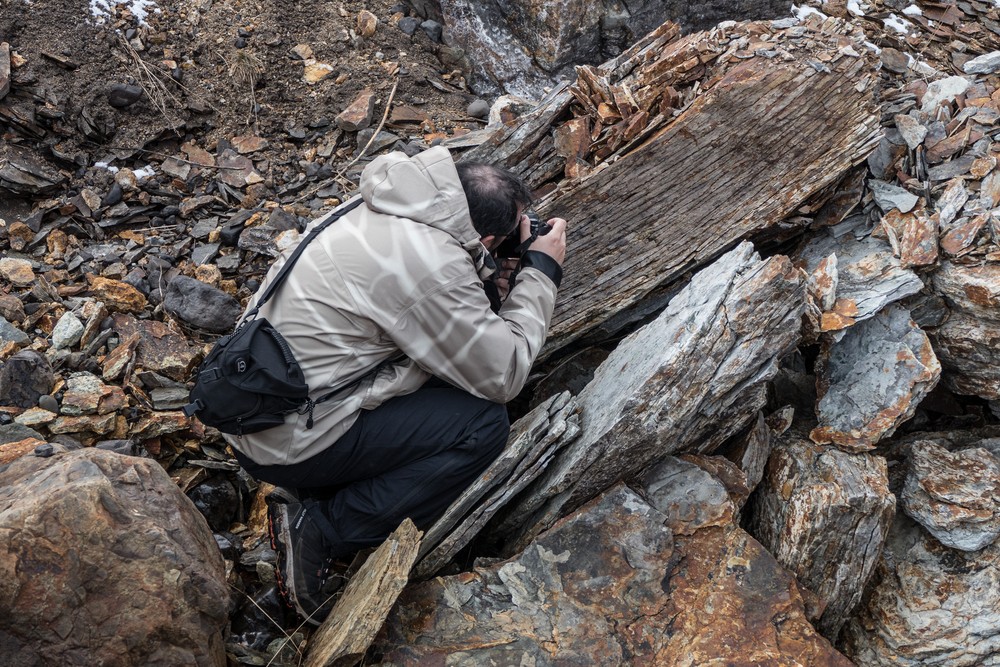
x,y
299,249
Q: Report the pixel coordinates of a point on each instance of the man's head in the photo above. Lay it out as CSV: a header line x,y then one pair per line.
x,y
496,198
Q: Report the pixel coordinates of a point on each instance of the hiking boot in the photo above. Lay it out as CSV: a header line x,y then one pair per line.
x,y
303,559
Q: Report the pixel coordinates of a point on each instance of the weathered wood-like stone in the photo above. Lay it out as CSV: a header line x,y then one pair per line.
x,y
737,318
620,582
869,277
824,515
369,596
967,341
104,560
625,239
954,495
931,606
872,379
4,69
23,173
160,348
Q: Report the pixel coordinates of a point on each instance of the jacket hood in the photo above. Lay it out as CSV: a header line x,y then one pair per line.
x,y
424,188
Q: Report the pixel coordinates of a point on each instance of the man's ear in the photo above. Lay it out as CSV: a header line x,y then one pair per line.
x,y
488,241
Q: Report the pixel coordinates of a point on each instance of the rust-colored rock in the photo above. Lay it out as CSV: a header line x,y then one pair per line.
x,y
160,348
358,115
117,295
105,561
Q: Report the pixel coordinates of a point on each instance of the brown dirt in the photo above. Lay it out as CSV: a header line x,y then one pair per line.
x,y
225,90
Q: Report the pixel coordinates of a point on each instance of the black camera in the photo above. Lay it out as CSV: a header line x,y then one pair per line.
x,y
512,246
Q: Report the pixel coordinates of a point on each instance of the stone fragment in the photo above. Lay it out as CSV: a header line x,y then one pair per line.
x,y
912,131
478,109
197,155
11,308
4,69
889,196
192,204
160,348
16,271
871,379
954,495
121,95
367,23
24,377
869,276
116,295
85,394
913,236
160,423
25,174
371,593
9,334
894,60
235,169
988,63
824,514
67,332
35,417
941,91
952,201
11,451
248,143
408,24
176,168
169,398
717,397
84,424
964,342
16,432
102,554
118,359
931,606
358,115
315,71
961,236
433,29
591,591
201,305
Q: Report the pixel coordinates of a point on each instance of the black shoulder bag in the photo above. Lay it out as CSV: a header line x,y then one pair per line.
x,y
250,380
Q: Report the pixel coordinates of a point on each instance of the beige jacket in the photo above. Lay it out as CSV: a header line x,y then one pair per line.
x,y
397,282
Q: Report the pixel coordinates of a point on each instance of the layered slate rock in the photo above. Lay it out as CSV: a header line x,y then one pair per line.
x,y
932,606
824,514
954,495
871,378
683,383
105,561
619,582
868,276
967,342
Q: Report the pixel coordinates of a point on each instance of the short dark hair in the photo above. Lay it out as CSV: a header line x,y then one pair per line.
x,y
493,194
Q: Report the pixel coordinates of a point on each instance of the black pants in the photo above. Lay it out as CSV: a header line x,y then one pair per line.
x,y
410,457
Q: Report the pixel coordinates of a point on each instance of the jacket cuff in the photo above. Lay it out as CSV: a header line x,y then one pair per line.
x,y
537,259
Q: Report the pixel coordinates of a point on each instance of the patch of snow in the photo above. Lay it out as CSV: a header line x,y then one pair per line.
x,y
854,7
106,165
102,10
802,12
145,172
899,25
876,50
913,10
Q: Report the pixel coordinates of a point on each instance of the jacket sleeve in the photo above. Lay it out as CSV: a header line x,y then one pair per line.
x,y
452,333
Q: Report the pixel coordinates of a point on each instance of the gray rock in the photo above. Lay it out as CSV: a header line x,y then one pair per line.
x,y
201,305
11,334
47,402
408,24
478,109
16,432
204,253
107,559
824,514
433,30
988,63
871,379
122,95
169,398
943,90
931,606
954,495
889,196
67,332
24,377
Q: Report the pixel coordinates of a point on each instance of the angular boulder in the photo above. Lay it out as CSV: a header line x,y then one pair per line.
x,y
954,495
201,305
824,514
931,606
105,561
623,581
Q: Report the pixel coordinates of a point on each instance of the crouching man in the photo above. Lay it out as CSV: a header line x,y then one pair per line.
x,y
388,315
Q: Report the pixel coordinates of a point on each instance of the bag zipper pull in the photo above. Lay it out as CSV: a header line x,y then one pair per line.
x,y
310,404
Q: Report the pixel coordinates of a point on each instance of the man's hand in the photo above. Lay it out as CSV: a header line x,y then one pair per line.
x,y
507,266
552,244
